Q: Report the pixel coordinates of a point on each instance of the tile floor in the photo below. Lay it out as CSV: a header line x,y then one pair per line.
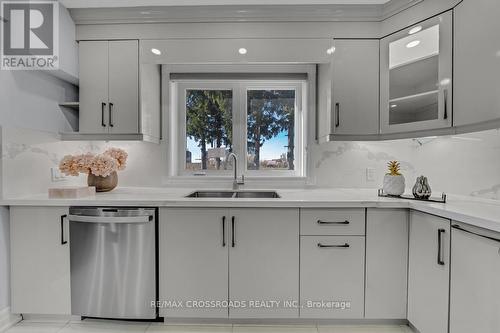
x,y
95,326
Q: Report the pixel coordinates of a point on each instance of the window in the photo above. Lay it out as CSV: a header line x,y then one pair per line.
x,y
260,121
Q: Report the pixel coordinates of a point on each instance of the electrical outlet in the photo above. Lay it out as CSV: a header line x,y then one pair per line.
x,y
56,175
370,174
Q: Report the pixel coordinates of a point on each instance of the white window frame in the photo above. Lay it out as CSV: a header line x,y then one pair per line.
x,y
239,118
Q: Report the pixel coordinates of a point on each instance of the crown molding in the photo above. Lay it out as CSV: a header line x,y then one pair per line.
x,y
255,13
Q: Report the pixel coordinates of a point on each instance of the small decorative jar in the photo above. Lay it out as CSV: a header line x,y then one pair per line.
x,y
422,189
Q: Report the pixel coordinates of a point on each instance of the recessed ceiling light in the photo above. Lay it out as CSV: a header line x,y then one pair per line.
x,y
394,105
156,51
331,50
242,51
412,44
414,30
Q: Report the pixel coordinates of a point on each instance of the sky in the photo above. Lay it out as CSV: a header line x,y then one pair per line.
x,y
272,149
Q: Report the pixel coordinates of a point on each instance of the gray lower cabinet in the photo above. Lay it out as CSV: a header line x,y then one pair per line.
x,y
193,261
429,272
243,256
474,291
332,276
264,262
332,263
386,263
39,255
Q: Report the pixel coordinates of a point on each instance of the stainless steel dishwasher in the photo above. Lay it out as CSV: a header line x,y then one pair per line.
x,y
113,262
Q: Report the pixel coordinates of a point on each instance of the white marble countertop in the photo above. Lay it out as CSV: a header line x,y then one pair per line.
x,y
475,211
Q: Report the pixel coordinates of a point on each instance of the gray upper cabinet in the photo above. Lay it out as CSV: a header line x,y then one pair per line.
x,y
416,77
348,90
477,63
355,87
93,87
123,87
119,99
109,87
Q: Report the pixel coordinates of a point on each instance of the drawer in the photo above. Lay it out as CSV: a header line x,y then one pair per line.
x,y
332,222
332,277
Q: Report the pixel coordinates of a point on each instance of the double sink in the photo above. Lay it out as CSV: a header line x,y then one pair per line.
x,y
235,194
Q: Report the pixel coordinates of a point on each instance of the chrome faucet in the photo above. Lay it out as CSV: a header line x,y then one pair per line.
x,y
236,182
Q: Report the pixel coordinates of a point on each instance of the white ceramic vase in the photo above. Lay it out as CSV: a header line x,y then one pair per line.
x,y
394,185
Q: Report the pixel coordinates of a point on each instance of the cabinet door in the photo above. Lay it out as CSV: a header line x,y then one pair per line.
x,y
475,292
416,77
355,87
264,261
93,87
40,270
429,267
324,114
332,277
476,62
386,263
193,261
123,108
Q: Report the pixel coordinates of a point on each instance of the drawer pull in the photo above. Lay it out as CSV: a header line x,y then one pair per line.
x,y
334,222
323,246
440,260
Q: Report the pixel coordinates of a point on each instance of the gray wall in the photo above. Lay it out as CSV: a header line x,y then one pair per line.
x,y
29,99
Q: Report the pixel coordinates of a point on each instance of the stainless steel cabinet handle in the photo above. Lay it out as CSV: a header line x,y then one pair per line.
x,y
445,93
333,222
337,114
455,226
111,114
223,231
233,243
103,106
343,246
440,260
63,240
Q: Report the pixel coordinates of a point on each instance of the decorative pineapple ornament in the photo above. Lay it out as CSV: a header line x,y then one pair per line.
x,y
394,181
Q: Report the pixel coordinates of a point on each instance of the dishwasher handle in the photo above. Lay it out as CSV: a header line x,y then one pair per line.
x,y
111,219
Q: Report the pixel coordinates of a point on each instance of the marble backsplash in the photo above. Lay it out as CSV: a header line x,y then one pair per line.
x,y
466,164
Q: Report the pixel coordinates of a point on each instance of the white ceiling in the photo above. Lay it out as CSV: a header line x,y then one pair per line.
x,y
143,3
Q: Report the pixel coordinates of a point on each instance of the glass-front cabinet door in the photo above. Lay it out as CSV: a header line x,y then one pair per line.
x,y
416,77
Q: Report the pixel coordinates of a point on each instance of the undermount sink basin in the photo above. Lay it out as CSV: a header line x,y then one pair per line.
x,y
257,194
211,194
235,194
